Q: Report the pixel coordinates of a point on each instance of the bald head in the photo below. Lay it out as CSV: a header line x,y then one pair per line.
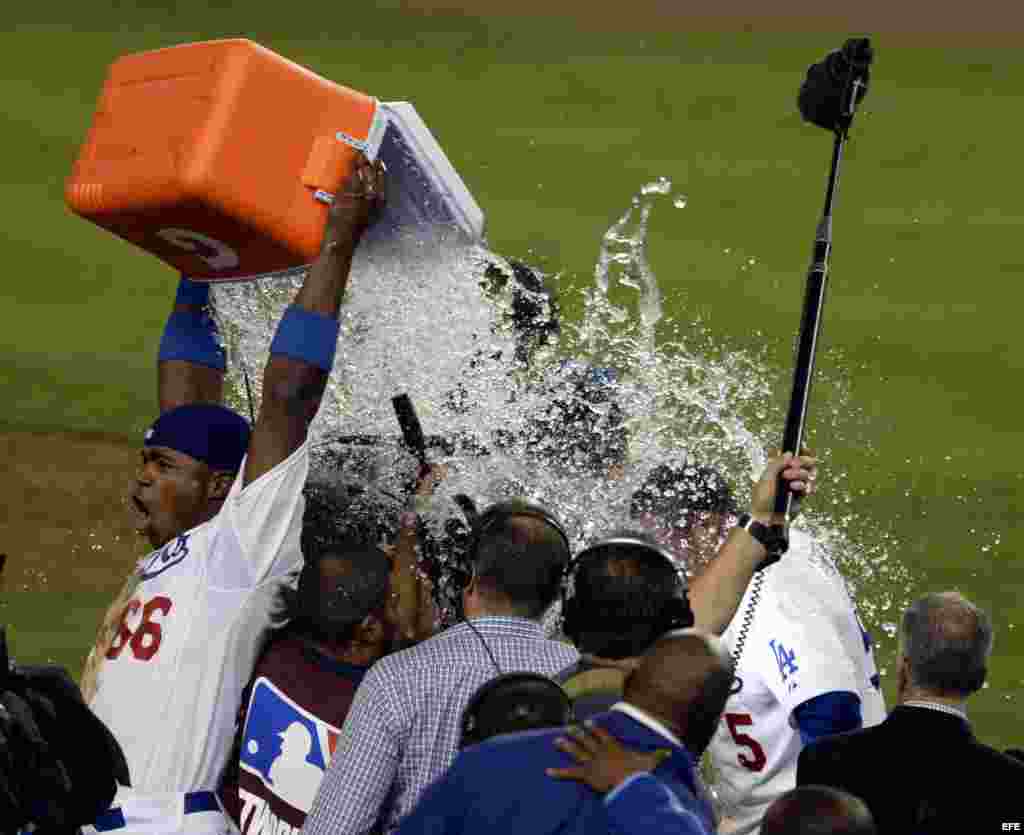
x,y
684,681
946,641
817,810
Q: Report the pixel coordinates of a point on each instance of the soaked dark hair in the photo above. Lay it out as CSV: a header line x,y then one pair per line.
x,y
343,523
347,497
338,514
672,493
582,427
535,312
337,590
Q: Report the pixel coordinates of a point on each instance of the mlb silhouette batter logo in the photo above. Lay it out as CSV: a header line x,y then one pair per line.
x,y
285,746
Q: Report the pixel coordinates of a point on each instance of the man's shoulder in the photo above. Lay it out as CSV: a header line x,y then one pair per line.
x,y
806,570
525,743
452,643
525,754
284,654
995,762
406,664
848,743
294,463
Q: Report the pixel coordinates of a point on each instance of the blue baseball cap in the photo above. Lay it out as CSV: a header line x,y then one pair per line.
x,y
208,432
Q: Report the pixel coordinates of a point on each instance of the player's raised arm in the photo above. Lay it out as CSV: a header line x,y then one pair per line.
x,y
190,365
302,352
716,592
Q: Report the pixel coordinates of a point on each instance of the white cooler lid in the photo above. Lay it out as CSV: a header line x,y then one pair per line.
x,y
424,189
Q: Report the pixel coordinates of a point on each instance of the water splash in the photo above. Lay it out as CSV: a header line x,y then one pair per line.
x,y
421,319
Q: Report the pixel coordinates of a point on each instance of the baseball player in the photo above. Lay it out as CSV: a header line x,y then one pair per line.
x,y
805,670
168,676
804,663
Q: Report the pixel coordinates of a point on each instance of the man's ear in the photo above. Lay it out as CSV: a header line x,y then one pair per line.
x,y
469,589
220,484
902,674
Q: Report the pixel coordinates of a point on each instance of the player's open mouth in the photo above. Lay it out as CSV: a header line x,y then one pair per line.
x,y
141,513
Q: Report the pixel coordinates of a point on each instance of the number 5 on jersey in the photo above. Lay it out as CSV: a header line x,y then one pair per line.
x,y
144,642
758,760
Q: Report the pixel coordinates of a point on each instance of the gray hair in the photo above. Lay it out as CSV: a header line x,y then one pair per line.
x,y
946,640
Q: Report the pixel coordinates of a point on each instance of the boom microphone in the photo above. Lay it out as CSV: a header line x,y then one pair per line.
x,y
828,98
836,85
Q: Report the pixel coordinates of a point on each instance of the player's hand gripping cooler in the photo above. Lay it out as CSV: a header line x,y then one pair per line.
x,y
221,158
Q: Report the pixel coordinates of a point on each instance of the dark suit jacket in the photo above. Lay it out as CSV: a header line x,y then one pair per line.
x,y
920,771
499,788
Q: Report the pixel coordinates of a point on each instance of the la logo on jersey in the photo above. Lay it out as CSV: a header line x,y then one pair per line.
x,y
786,659
287,749
167,557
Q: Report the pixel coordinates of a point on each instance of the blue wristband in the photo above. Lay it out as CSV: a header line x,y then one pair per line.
x,y
192,337
307,336
192,292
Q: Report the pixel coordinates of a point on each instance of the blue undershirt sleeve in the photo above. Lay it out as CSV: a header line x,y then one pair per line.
x,y
830,713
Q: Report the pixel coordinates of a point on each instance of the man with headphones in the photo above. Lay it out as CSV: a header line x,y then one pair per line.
x,y
803,663
345,615
669,709
403,729
623,592
513,703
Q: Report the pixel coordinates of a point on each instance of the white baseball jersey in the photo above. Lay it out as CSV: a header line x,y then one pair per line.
x,y
805,639
170,684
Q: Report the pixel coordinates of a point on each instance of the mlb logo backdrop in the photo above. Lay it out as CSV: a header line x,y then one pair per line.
x,y
285,747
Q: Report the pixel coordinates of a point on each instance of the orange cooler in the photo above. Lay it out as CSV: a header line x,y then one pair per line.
x,y
220,157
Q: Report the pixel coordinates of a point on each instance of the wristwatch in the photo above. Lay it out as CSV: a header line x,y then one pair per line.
x,y
772,537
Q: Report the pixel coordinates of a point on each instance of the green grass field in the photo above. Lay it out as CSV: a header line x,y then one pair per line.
x,y
554,129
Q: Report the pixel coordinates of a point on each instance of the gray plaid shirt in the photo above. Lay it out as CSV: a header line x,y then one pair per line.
x,y
402,731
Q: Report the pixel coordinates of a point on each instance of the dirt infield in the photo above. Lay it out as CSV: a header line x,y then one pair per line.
x,y
65,526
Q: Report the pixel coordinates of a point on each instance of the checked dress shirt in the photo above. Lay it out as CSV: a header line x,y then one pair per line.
x,y
402,731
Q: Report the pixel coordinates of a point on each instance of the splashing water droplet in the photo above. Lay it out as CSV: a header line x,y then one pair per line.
x,y
679,202
663,185
683,394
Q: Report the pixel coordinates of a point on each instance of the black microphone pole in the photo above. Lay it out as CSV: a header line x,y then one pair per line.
x,y
412,431
828,98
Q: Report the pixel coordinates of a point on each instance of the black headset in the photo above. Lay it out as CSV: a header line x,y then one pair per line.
x,y
675,614
493,517
514,702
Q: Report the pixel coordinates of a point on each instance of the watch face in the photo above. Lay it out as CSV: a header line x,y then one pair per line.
x,y
772,537
777,539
